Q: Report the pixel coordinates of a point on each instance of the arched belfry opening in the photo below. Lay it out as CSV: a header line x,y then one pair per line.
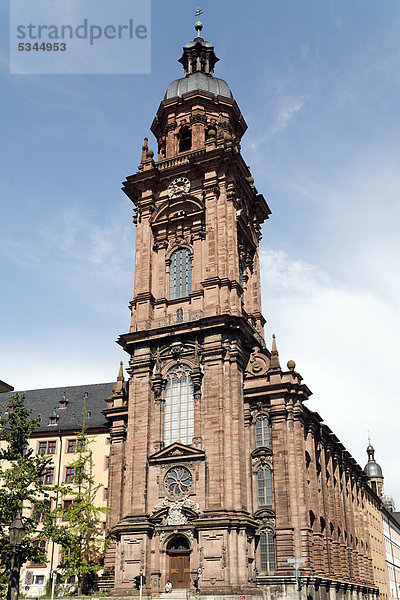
x,y
178,551
185,139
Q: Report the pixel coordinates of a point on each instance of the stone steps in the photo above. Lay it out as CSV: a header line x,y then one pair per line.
x,y
174,595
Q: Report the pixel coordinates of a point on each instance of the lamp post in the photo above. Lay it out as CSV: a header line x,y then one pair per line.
x,y
16,532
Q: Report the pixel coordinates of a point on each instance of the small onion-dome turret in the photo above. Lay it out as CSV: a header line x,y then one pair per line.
x,y
372,469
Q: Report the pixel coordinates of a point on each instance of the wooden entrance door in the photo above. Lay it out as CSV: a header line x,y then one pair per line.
x,y
179,570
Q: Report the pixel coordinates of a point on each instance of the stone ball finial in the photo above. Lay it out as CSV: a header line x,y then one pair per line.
x,y
211,133
227,136
198,27
149,153
291,365
250,180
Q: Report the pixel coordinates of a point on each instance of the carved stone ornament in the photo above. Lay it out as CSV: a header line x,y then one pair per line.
x,y
160,506
176,516
157,385
265,519
246,256
189,535
258,363
262,460
176,513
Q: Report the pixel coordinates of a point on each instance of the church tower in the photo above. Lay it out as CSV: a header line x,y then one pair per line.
x,y
179,474
217,468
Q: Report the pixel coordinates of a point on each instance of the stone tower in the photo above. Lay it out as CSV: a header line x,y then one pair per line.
x,y
179,481
216,464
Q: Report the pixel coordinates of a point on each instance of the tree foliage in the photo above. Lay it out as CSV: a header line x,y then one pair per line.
x,y
77,527
21,483
79,531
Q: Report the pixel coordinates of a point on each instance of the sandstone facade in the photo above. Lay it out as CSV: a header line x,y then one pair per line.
x,y
216,463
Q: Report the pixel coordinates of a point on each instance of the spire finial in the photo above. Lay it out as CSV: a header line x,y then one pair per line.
x,y
198,25
275,364
370,448
118,389
145,147
121,372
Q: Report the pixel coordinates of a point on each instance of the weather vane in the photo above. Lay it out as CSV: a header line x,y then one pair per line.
x,y
198,25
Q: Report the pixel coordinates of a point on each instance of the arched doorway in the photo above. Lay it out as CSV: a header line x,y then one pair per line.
x,y
178,551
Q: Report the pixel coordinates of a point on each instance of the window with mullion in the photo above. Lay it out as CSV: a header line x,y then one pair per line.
x,y
267,552
264,487
262,432
180,283
179,406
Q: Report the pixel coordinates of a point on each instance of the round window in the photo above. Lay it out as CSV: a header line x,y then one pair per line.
x,y
178,481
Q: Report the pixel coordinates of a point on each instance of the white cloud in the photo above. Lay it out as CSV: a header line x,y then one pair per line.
x,y
70,357
74,247
284,115
342,341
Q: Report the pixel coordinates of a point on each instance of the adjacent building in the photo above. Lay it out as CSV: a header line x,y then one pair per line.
x,y
5,387
391,532
61,420
385,531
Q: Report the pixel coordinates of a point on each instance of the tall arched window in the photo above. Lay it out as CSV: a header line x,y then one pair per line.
x,y
179,406
180,278
264,486
267,552
262,432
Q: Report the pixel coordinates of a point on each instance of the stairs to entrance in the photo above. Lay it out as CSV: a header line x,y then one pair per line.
x,y
174,595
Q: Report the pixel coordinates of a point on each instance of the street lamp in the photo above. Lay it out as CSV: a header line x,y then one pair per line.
x,y
16,533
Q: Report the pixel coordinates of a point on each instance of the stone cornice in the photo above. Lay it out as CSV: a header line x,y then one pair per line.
x,y
200,162
225,519
206,325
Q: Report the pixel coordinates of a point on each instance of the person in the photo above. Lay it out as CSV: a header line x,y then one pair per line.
x,y
168,587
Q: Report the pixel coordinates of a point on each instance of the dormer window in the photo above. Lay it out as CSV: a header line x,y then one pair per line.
x,y
63,402
53,420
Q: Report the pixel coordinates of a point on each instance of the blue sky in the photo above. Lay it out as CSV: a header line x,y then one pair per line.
x,y
319,85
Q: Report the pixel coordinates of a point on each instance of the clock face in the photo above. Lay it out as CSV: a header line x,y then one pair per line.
x,y
178,186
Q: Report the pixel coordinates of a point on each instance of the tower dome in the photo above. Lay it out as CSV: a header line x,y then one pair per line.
x,y
198,81
372,469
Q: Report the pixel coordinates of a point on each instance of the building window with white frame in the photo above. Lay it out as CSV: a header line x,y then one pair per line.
x,y
180,274
179,406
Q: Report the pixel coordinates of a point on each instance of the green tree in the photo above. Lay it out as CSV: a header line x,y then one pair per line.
x,y
22,485
80,534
